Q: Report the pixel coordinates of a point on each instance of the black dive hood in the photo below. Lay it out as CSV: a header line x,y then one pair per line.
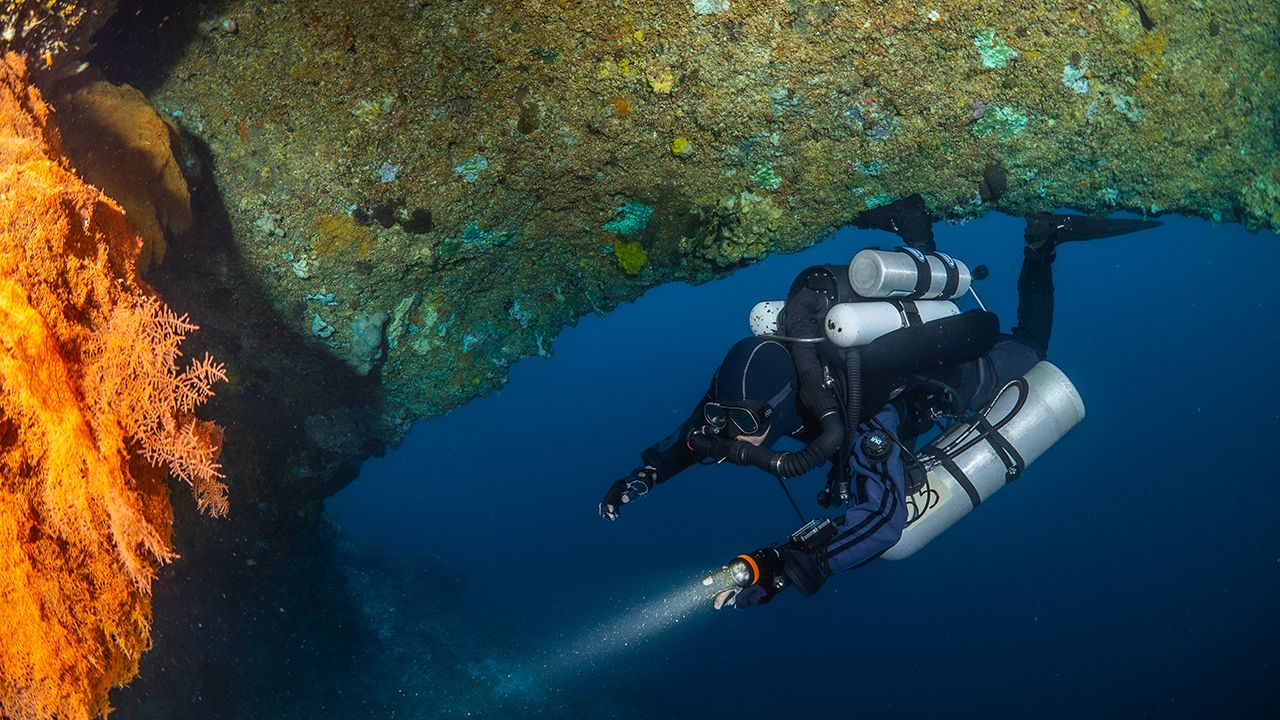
x,y
835,433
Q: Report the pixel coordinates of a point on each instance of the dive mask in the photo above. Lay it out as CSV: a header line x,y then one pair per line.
x,y
743,417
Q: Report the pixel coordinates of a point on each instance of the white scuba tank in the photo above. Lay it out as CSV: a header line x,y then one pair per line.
x,y
1052,407
857,324
893,273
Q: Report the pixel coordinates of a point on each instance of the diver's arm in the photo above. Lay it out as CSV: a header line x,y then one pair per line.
x,y
672,454
659,461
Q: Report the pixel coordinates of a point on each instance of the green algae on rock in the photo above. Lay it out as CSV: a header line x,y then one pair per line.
x,y
549,147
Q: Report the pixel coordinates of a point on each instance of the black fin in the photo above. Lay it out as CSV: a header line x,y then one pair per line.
x,y
1075,228
907,217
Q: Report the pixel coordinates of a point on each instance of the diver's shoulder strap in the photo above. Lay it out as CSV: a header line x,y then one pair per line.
x,y
812,294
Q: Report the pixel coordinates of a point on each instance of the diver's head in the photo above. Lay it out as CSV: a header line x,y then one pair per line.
x,y
754,394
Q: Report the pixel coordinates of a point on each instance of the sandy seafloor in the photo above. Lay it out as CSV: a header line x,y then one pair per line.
x,y
1133,572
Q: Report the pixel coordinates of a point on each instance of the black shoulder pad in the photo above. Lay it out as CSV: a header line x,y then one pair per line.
x,y
947,341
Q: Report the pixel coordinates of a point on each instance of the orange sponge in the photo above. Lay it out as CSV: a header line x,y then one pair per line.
x,y
119,143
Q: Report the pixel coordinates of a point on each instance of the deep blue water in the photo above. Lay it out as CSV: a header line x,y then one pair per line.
x,y
1134,570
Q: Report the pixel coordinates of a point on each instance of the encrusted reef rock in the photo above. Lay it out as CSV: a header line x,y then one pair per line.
x,y
425,192
94,412
395,200
54,34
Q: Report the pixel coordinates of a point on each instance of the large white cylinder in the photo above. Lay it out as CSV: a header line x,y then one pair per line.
x,y
891,273
857,324
1052,407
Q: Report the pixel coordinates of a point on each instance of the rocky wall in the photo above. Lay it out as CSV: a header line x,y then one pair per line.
x,y
411,196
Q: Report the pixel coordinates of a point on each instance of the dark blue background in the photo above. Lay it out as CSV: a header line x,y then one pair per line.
x,y
1135,570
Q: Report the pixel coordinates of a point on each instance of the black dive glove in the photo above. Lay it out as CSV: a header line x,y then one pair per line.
x,y
636,485
760,575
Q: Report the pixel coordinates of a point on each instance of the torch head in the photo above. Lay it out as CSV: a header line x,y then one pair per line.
x,y
744,571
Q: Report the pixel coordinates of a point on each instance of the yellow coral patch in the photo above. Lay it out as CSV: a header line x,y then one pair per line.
x,y
662,82
1150,49
338,233
631,256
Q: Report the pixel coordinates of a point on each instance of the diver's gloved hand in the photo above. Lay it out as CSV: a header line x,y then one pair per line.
x,y
634,486
743,598
766,572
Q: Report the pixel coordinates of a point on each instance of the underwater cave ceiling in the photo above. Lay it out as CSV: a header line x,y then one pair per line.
x,y
408,197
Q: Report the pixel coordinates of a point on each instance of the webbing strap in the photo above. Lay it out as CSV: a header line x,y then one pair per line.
x,y
910,313
924,274
1007,453
953,274
974,498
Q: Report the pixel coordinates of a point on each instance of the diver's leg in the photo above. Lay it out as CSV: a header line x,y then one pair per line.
x,y
1035,288
1044,233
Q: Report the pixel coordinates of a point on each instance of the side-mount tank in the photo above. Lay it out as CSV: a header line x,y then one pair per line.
x,y
1052,406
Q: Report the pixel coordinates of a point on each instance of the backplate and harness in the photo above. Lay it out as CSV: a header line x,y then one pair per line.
x,y
838,365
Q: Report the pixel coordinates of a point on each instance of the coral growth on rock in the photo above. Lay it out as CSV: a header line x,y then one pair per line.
x,y
544,124
564,161
94,410
54,33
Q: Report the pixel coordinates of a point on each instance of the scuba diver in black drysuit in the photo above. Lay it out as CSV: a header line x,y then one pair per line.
x,y
773,386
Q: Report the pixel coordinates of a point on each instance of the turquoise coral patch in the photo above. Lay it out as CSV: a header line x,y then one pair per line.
x,y
994,53
1003,122
470,169
630,219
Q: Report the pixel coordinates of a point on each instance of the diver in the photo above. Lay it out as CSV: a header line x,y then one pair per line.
x,y
861,412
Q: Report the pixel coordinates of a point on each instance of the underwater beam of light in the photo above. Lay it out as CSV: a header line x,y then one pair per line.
x,y
639,623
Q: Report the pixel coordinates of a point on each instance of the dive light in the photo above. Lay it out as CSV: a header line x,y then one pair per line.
x,y
749,568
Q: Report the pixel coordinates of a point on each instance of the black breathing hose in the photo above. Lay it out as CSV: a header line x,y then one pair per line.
x,y
840,488
853,393
783,464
